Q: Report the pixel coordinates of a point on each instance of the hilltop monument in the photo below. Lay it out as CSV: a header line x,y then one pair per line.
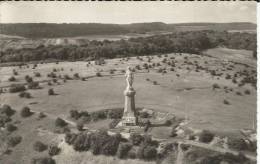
x,y
129,116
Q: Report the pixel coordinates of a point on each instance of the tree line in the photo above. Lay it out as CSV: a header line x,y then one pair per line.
x,y
177,42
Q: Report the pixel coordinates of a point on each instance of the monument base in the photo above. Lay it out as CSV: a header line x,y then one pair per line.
x,y
128,121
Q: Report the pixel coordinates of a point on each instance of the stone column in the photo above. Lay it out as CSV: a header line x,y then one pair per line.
x,y
129,116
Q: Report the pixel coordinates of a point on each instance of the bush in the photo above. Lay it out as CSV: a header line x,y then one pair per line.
x,y
26,112
33,85
80,126
12,78
76,75
25,95
60,122
7,110
28,79
41,115
155,83
136,138
14,140
215,86
10,127
70,138
206,136
16,88
247,92
39,146
123,150
237,143
43,160
226,102
53,150
149,152
82,142
114,123
67,77
98,74
131,154
51,91
4,119
37,74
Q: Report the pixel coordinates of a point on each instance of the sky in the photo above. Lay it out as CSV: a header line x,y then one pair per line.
x,y
126,12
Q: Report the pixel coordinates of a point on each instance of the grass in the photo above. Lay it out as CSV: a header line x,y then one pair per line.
x,y
189,95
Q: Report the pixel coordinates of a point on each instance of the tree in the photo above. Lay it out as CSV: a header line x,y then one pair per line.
x,y
53,150
60,122
43,160
123,150
136,138
51,91
206,136
26,112
39,146
7,110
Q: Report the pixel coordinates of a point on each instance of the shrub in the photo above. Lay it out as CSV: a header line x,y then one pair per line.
x,y
28,79
7,110
25,95
238,93
144,114
70,138
10,127
41,115
16,88
60,122
53,150
67,77
131,154
110,145
12,78
98,74
80,125
4,119
237,143
15,72
206,136
173,132
37,74
155,83
215,86
123,150
43,160
39,146
136,138
115,113
226,102
12,141
51,91
247,92
114,123
149,152
26,112
76,75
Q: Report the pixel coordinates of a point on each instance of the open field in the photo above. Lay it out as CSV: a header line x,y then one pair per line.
x,y
185,91
205,107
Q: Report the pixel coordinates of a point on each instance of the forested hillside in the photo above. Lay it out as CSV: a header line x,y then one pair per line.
x,y
188,42
51,30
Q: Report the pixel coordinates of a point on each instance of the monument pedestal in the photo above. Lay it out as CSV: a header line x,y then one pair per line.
x,y
129,117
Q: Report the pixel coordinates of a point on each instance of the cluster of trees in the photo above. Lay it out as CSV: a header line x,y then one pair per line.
x,y
99,142
84,116
188,42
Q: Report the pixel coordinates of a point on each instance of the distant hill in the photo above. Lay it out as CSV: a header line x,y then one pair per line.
x,y
52,30
215,26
